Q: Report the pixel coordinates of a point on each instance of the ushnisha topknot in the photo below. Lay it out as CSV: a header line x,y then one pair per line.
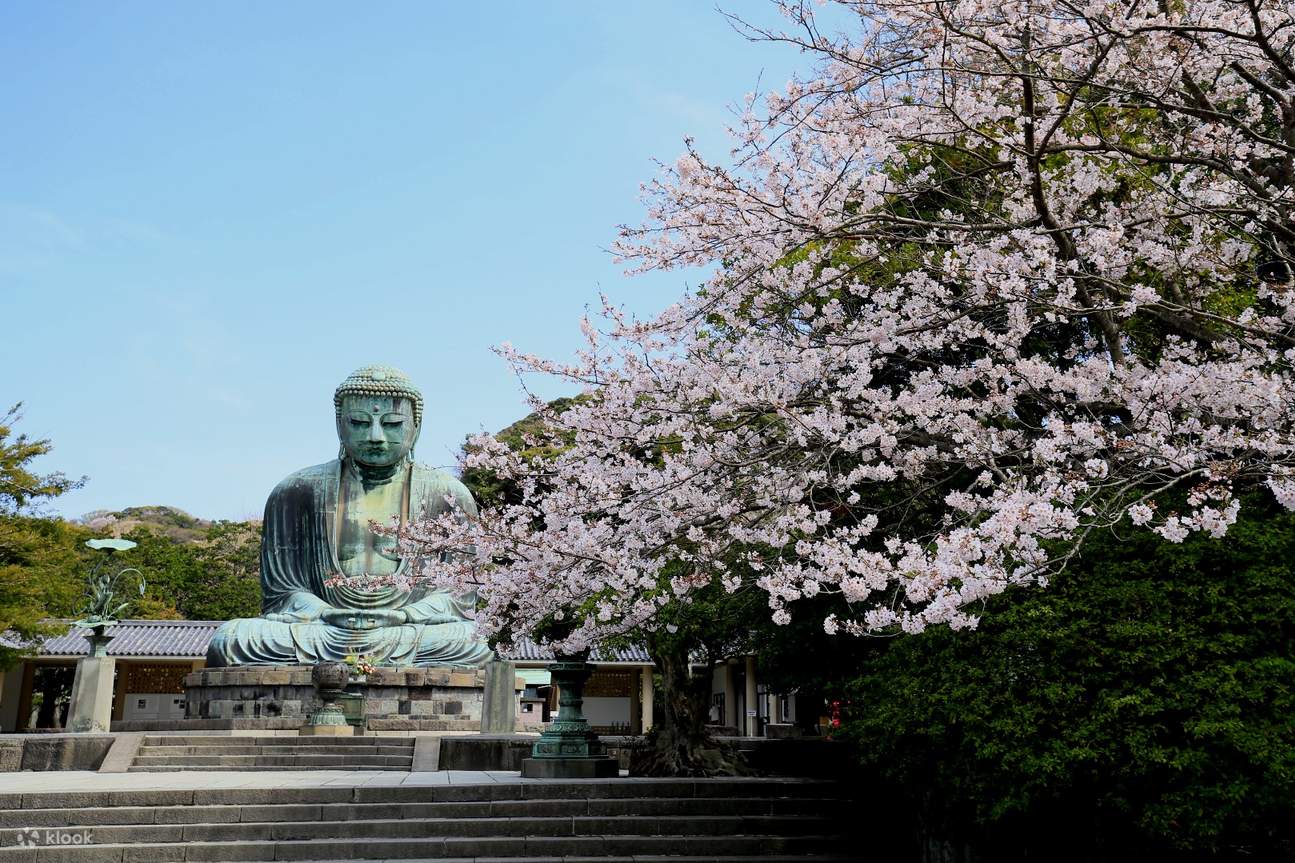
x,y
379,381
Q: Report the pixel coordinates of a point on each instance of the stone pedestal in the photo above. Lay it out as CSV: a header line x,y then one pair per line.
x,y
499,710
91,706
390,699
595,767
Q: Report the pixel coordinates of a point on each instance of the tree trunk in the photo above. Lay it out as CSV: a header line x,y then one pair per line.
x,y
679,745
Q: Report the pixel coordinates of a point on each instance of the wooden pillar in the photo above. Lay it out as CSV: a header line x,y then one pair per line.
x,y
119,694
731,716
24,700
752,706
636,703
646,698
10,695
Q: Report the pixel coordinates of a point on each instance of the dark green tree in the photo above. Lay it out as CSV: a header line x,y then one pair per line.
x,y
214,578
22,490
1143,705
230,555
40,557
691,639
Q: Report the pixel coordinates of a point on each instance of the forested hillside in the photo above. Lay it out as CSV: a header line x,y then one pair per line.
x,y
196,569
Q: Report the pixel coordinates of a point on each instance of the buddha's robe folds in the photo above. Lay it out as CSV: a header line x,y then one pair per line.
x,y
299,556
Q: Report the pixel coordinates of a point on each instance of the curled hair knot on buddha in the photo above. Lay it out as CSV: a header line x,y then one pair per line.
x,y
379,381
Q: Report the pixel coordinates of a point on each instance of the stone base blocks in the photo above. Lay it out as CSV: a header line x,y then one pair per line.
x,y
684,821
327,731
388,699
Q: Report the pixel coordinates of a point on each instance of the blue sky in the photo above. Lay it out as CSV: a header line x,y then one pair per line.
x,y
211,213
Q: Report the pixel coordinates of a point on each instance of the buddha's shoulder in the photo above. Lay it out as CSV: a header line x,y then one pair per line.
x,y
308,476
435,477
435,484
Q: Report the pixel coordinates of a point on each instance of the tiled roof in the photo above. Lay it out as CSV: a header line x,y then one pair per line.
x,y
187,639
178,639
526,651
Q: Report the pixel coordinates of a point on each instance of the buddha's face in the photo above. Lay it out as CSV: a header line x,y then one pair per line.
x,y
377,431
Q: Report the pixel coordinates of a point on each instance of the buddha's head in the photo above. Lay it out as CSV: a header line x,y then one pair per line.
x,y
379,416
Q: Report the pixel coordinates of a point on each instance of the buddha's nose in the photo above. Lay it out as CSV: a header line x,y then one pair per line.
x,y
375,433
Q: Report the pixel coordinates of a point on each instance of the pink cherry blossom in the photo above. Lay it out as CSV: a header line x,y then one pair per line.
x,y
982,282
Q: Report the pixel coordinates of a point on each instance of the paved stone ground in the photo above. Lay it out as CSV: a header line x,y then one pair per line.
x,y
84,780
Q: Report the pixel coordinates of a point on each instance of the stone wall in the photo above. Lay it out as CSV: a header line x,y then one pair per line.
x,y
53,751
393,699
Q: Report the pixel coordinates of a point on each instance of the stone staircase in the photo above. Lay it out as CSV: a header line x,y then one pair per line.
x,y
598,821
221,752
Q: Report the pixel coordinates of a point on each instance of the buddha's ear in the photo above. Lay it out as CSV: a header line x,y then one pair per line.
x,y
418,430
418,420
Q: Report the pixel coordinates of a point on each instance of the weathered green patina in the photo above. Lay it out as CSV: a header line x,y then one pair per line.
x,y
568,748
317,530
102,608
569,734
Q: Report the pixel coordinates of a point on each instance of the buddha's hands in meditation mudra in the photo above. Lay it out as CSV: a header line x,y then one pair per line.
x,y
305,608
308,608
376,618
343,618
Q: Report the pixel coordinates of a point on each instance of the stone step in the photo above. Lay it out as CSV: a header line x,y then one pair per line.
x,y
225,753
602,789
641,858
745,847
605,821
318,749
200,769
338,812
339,759
441,828
273,740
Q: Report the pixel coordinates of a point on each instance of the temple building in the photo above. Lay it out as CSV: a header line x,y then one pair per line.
x,y
153,656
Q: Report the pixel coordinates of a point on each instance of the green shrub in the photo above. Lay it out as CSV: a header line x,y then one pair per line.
x,y
1142,703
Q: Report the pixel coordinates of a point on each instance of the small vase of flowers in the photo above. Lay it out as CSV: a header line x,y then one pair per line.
x,y
360,667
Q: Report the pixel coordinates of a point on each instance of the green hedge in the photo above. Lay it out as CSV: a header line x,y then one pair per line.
x,y
1142,703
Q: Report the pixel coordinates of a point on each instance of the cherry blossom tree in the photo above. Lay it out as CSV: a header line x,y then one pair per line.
x,y
988,278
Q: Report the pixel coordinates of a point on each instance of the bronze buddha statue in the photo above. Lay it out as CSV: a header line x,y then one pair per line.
x,y
318,534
